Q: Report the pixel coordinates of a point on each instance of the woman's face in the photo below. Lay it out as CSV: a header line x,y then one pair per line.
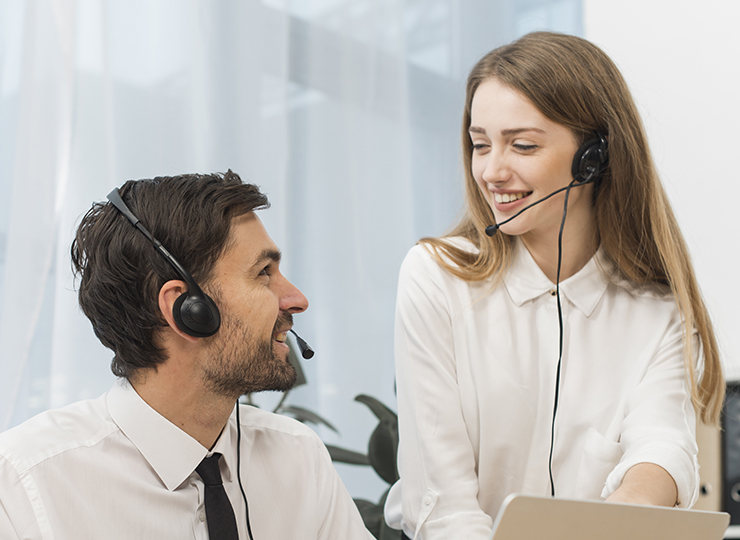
x,y
519,157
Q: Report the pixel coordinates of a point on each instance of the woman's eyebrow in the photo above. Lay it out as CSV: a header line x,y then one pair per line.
x,y
516,131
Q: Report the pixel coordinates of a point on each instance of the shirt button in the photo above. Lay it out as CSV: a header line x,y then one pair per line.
x,y
427,500
553,292
202,515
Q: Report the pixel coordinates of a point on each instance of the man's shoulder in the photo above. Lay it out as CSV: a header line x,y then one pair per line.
x,y
52,432
278,425
284,445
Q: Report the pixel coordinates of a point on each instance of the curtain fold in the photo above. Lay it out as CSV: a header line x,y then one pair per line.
x,y
40,176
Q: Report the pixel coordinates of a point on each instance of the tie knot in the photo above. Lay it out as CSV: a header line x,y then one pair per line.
x,y
209,471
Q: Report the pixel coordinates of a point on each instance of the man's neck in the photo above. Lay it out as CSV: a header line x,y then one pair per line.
x,y
184,401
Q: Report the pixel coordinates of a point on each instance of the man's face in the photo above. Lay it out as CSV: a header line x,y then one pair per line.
x,y
249,352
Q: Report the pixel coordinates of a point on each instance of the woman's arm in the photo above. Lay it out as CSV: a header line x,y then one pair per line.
x,y
437,465
659,465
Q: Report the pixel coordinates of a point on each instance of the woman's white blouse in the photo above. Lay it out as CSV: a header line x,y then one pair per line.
x,y
476,368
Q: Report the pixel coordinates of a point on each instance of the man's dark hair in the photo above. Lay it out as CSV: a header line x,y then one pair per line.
x,y
121,272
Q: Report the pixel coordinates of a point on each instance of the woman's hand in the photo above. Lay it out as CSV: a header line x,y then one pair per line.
x,y
646,483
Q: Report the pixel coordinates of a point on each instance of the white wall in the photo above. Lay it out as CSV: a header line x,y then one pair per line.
x,y
682,62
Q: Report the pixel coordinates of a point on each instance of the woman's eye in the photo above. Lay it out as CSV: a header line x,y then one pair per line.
x,y
525,147
479,146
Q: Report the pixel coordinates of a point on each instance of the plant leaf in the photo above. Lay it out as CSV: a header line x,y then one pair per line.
x,y
304,415
342,455
382,450
379,410
372,516
362,504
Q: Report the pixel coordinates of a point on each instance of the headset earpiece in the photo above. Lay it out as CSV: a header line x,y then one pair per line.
x,y
194,311
590,160
196,314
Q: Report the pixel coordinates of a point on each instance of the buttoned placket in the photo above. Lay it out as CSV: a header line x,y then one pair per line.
x,y
200,526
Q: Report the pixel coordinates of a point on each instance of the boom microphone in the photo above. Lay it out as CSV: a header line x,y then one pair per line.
x,y
492,229
589,161
306,350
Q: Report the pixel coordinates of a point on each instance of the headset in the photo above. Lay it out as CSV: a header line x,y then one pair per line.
x,y
589,162
194,311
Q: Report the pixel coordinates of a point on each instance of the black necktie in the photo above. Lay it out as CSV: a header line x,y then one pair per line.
x,y
219,513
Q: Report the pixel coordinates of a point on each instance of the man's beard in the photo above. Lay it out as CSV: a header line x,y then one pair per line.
x,y
239,364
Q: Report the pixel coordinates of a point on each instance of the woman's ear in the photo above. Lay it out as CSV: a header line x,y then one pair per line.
x,y
168,294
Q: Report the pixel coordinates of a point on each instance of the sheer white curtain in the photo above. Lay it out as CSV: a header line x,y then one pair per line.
x,y
346,112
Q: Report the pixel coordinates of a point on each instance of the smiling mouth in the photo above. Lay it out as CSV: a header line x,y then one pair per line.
x,y
503,198
283,324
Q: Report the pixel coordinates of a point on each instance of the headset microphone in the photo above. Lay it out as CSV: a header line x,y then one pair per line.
x,y
589,162
493,229
194,311
306,350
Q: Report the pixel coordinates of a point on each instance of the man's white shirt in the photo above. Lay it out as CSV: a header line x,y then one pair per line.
x,y
114,468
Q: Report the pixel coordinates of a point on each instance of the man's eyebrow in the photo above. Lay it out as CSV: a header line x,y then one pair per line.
x,y
268,254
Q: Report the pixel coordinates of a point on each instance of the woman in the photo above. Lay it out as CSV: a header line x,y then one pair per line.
x,y
527,368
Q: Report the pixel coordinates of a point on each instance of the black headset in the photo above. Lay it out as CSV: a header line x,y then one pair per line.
x,y
590,160
194,311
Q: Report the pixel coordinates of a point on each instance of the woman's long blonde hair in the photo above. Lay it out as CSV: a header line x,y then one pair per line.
x,y
572,82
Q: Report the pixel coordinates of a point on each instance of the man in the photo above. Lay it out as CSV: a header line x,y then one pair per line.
x,y
147,459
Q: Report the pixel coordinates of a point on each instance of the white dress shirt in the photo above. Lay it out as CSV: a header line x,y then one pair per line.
x,y
113,468
476,373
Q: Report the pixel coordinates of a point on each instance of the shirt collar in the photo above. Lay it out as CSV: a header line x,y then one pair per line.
x,y
226,447
525,281
172,453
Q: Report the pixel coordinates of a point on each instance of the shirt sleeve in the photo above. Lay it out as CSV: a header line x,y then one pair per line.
x,y
439,483
338,515
17,518
660,425
6,526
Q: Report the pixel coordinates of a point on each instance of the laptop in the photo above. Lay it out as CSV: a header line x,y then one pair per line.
x,y
528,517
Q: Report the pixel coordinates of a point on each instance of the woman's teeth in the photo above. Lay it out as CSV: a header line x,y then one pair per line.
x,y
508,197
